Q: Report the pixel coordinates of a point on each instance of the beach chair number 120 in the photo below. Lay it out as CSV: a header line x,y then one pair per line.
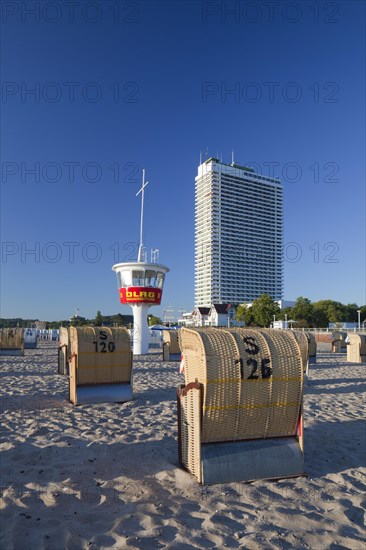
x,y
103,346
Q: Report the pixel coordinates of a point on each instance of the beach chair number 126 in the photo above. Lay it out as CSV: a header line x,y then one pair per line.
x,y
253,349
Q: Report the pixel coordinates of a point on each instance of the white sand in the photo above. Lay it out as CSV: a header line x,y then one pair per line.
x,y
107,476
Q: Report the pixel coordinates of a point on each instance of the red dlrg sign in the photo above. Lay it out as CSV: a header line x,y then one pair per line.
x,y
140,295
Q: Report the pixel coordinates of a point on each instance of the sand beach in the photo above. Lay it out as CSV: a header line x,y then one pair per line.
x,y
107,475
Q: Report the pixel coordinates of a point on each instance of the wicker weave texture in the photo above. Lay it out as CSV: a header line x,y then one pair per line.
x,y
64,351
190,415
103,354
65,342
287,382
324,337
339,335
356,349
337,346
303,341
312,344
221,392
171,337
252,381
12,338
64,336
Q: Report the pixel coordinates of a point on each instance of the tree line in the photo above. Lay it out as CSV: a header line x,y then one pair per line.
x,y
261,314
304,313
99,320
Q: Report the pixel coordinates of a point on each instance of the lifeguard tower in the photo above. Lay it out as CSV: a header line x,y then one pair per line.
x,y
140,286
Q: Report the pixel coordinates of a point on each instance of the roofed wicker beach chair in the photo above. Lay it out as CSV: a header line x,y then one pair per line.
x,y
30,338
12,341
240,409
339,342
356,348
303,341
312,347
171,347
64,351
100,365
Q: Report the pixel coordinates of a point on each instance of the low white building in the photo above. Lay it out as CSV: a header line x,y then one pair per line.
x,y
280,324
218,315
200,316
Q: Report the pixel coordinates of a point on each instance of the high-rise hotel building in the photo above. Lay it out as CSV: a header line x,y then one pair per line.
x,y
238,235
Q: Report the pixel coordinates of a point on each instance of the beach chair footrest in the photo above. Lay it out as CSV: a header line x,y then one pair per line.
x,y
103,393
251,460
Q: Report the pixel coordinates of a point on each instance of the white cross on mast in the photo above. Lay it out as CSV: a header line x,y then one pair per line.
x,y
142,191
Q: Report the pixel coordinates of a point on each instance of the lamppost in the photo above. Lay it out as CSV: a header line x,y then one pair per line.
x,y
359,319
285,320
274,320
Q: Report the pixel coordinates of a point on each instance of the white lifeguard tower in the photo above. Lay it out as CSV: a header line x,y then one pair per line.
x,y
140,286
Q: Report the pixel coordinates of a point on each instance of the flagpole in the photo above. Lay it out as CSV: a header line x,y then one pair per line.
x,y
142,191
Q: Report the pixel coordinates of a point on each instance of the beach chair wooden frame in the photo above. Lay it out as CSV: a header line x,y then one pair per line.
x,y
63,353
312,348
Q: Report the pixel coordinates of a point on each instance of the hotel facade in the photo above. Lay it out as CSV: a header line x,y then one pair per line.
x,y
238,235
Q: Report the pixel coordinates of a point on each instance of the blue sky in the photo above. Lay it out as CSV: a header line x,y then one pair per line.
x,y
121,86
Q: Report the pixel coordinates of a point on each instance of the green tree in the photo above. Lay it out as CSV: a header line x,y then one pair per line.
x,y
285,311
77,321
263,310
350,313
363,314
152,320
334,311
303,310
98,321
120,320
260,313
244,314
320,319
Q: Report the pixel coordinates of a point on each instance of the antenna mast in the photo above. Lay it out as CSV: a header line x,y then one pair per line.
x,y
142,191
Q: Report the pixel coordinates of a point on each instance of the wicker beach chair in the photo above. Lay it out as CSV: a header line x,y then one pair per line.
x,y
303,341
240,410
339,342
30,338
356,348
312,347
171,347
12,341
100,365
64,351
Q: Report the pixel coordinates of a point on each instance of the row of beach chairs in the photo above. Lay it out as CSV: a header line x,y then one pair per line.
x,y
240,409
13,341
